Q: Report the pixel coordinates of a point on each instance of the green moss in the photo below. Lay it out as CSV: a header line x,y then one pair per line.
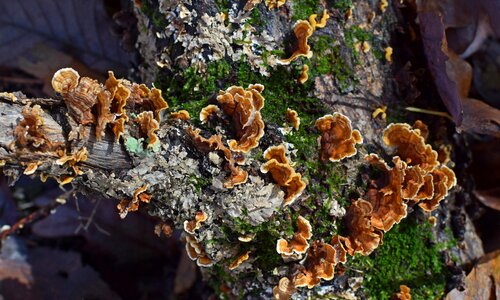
x,y
199,182
223,5
341,5
407,256
302,9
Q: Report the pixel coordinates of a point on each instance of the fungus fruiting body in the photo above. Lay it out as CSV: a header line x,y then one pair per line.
x,y
338,140
304,76
243,106
293,117
303,30
319,264
126,206
284,290
283,173
299,244
30,132
238,261
191,226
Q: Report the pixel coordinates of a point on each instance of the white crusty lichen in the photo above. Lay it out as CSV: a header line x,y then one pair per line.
x,y
212,37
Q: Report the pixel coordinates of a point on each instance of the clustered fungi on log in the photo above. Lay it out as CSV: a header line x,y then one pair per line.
x,y
169,157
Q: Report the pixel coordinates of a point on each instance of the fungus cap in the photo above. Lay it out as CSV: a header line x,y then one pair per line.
x,y
302,30
293,117
410,146
237,262
65,80
180,115
338,140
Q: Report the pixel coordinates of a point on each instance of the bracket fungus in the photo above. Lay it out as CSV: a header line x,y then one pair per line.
x,y
404,293
319,264
283,173
293,117
148,125
191,226
362,237
304,76
322,22
284,290
180,115
243,106
196,252
238,261
271,4
29,132
207,112
338,140
79,94
73,159
214,143
297,247
387,203
410,146
126,206
302,30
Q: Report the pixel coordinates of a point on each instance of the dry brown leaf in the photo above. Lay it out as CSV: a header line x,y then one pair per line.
x,y
490,198
480,118
483,282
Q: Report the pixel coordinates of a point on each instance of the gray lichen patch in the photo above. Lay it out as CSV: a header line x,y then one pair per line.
x,y
202,36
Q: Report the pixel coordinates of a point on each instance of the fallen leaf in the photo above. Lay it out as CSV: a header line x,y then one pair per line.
x,y
79,28
490,198
59,275
480,118
483,282
436,51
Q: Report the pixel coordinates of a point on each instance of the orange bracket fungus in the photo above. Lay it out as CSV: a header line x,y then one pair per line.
x,y
404,293
191,226
410,146
73,159
214,143
380,111
83,96
30,133
243,106
148,125
337,140
195,252
283,173
299,244
241,259
303,30
79,94
304,76
126,206
362,237
319,264
180,115
293,117
271,4
388,205
208,111
284,290
322,22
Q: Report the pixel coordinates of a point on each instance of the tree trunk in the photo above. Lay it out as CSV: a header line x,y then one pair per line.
x,y
194,49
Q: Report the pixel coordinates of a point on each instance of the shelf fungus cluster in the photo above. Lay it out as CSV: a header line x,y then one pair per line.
x,y
319,264
83,96
242,107
298,246
338,140
283,174
416,177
